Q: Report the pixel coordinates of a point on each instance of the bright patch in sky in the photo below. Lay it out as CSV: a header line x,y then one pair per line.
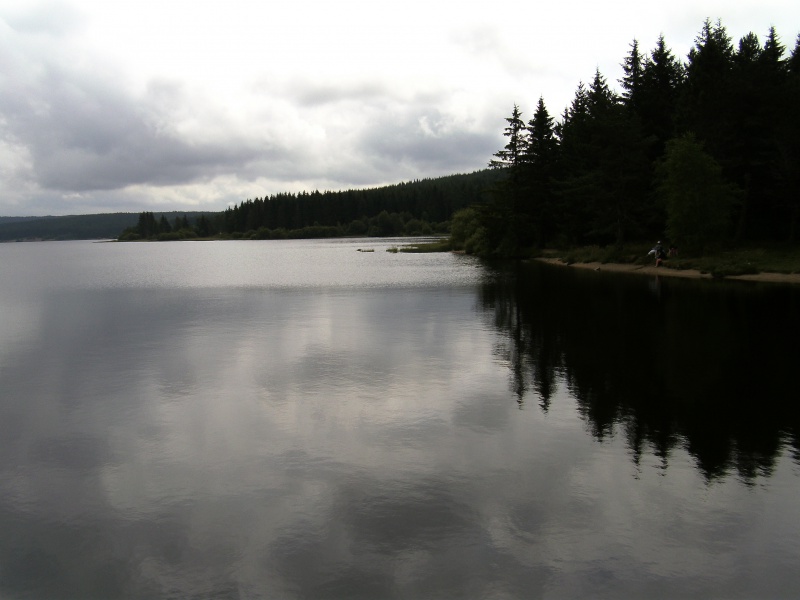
x,y
179,105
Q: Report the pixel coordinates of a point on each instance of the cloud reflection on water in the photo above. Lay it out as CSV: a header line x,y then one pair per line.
x,y
339,443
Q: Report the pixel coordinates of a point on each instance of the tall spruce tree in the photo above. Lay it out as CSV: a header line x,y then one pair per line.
x,y
604,172
504,219
660,88
704,107
755,103
572,132
633,78
147,225
788,180
510,157
781,206
541,156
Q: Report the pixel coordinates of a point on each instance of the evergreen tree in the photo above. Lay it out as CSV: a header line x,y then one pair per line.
x,y
572,133
698,198
660,88
180,223
203,227
510,157
504,219
601,100
604,171
704,107
794,60
147,226
788,176
633,79
540,158
575,117
755,104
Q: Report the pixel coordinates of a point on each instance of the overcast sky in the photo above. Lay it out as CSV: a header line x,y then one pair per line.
x,y
109,106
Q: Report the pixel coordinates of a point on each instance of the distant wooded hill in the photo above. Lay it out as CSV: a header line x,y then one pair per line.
x,y
431,200
72,227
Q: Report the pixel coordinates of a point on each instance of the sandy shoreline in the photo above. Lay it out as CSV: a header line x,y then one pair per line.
x,y
667,272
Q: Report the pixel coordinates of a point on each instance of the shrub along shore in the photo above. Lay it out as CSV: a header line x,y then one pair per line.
x,y
774,264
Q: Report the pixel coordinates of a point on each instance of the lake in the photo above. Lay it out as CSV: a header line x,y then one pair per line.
x,y
300,419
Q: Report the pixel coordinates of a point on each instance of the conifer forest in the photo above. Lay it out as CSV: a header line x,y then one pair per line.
x,y
704,152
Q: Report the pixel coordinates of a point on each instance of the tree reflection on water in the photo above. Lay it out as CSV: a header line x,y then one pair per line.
x,y
704,365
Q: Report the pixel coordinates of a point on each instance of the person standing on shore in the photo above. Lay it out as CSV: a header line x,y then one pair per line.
x,y
658,251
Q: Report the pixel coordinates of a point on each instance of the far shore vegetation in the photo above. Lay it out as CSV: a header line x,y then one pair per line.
x,y
701,154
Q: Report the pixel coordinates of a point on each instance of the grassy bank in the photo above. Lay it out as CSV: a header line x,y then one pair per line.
x,y
723,263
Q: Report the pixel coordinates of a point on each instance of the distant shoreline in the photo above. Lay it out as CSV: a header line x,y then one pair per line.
x,y
668,272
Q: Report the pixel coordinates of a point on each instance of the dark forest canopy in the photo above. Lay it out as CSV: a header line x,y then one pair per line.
x,y
420,207
705,152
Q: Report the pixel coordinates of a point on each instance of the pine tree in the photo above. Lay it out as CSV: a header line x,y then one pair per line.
x,y
793,63
147,225
660,88
755,102
510,157
541,155
602,100
203,227
705,99
788,177
633,79
604,172
571,186
504,219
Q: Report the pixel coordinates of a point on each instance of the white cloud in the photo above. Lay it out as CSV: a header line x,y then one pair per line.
x,y
54,18
142,104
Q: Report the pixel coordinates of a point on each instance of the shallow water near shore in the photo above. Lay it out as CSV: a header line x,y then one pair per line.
x,y
297,419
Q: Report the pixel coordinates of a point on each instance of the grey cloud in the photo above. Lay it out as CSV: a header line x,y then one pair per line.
x,y
396,134
84,134
320,94
425,140
368,93
84,140
83,131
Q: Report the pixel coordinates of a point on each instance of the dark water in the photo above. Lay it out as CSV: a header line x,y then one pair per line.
x,y
302,420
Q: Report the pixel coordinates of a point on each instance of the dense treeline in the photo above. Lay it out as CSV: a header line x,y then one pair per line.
x,y
411,208
705,152
150,227
420,207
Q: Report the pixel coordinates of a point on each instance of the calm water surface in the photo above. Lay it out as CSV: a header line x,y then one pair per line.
x,y
299,419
